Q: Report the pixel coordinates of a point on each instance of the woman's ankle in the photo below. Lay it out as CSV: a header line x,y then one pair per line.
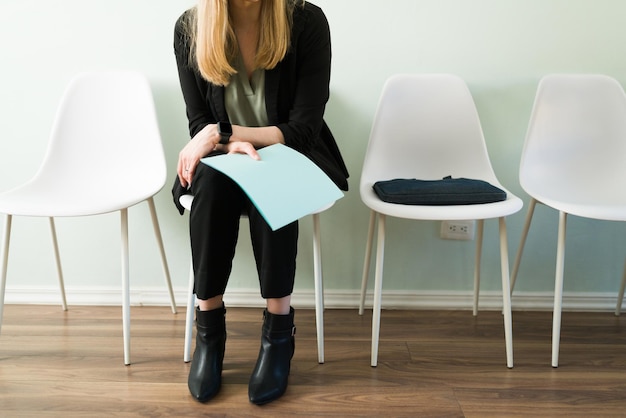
x,y
216,302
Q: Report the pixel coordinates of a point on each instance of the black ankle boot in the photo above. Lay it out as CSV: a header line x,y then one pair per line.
x,y
269,379
205,375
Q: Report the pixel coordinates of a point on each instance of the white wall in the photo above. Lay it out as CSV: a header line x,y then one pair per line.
x,y
500,47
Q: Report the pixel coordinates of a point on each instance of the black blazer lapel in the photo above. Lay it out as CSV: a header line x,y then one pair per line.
x,y
272,81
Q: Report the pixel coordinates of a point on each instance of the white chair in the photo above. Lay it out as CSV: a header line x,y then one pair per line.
x,y
573,161
105,155
427,127
186,201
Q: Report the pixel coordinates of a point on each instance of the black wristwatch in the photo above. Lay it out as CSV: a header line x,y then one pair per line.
x,y
225,130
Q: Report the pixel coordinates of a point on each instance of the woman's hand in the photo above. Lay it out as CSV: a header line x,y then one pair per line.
x,y
239,147
199,147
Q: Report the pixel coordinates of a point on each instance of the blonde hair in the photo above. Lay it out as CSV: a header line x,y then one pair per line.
x,y
214,45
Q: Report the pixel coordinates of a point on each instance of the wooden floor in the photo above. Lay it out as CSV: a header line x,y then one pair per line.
x,y
431,363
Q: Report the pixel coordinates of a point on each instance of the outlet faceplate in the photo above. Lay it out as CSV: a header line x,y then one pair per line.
x,y
461,230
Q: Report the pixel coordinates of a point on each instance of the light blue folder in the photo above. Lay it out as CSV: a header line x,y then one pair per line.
x,y
284,185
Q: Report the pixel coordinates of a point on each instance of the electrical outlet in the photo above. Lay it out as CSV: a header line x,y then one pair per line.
x,y
461,230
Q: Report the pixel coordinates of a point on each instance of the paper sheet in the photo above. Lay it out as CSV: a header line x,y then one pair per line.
x,y
284,185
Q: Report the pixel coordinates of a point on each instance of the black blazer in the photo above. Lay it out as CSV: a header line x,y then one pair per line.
x,y
296,94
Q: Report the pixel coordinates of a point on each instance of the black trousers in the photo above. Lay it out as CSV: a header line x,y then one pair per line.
x,y
214,228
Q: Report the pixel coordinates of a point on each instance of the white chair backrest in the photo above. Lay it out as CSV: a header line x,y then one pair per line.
x,y
575,145
426,127
106,136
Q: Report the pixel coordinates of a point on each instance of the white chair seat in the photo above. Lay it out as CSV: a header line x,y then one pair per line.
x,y
610,207
43,200
462,212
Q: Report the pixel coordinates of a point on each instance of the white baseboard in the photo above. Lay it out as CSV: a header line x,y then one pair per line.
x,y
342,299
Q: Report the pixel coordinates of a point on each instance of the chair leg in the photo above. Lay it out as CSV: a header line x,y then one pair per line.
x,y
5,260
558,289
480,224
191,304
368,257
125,286
319,287
378,287
57,258
620,296
159,239
506,293
520,249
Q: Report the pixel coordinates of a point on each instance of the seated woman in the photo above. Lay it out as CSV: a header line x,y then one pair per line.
x,y
253,73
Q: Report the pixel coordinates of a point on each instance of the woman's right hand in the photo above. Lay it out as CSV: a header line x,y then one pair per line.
x,y
199,147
